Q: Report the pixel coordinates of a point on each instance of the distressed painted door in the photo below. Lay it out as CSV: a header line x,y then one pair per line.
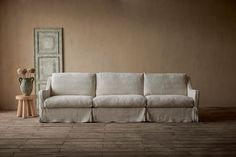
x,y
48,55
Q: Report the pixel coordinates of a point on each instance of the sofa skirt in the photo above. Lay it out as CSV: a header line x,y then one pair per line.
x,y
118,114
65,115
172,115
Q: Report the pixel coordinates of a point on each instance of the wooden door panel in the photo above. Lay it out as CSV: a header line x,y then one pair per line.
x,y
48,55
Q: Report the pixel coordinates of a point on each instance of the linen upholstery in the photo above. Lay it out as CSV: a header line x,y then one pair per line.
x,y
174,101
119,84
71,101
78,114
65,115
119,101
165,84
44,94
73,84
118,114
193,93
171,115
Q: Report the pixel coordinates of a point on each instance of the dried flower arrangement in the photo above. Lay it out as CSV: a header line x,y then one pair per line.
x,y
26,73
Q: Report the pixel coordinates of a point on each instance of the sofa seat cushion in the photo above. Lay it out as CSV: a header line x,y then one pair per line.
x,y
116,101
69,101
165,101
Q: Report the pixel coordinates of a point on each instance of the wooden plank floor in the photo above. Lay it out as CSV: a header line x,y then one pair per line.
x,y
214,136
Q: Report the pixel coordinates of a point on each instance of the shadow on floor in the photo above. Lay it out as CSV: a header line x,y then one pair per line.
x,y
216,114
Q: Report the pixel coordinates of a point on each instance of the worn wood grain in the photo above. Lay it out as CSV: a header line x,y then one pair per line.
x,y
215,135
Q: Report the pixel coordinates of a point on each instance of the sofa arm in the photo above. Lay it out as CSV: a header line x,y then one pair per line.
x,y
44,94
193,93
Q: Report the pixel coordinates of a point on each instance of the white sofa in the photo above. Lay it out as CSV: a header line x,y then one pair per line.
x,y
118,97
170,98
68,98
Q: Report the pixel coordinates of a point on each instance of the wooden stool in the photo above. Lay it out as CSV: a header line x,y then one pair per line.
x,y
26,106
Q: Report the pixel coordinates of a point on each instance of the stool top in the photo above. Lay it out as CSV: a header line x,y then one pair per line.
x,y
22,97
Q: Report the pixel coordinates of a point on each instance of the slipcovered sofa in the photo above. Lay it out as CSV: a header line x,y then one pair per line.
x,y
118,97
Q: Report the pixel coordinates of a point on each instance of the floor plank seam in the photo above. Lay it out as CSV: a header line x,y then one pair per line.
x,y
19,137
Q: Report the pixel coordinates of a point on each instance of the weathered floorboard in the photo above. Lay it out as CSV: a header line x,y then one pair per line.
x,y
215,135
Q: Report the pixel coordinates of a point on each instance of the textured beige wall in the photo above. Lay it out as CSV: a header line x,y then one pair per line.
x,y
196,37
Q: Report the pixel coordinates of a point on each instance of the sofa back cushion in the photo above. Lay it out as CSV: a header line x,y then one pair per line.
x,y
165,84
119,84
73,84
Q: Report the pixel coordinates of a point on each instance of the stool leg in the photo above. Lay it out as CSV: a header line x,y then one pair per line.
x,y
34,109
31,108
25,108
19,108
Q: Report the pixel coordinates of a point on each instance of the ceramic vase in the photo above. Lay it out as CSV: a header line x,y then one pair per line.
x,y
26,85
